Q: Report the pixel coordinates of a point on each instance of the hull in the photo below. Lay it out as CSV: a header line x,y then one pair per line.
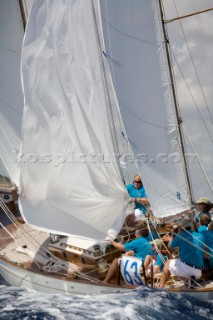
x,y
202,294
18,277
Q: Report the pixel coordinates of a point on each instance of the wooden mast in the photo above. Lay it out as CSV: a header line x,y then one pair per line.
x,y
23,15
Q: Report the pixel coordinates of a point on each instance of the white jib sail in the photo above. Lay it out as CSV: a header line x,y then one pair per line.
x,y
70,183
11,97
135,50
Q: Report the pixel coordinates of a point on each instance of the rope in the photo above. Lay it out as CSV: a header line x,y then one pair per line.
x,y
42,250
15,240
35,244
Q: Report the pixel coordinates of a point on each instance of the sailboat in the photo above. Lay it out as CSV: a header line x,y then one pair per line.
x,y
88,78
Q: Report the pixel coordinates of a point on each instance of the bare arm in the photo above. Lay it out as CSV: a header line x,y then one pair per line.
x,y
167,239
140,200
118,245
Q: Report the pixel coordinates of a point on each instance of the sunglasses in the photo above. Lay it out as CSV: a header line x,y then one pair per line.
x,y
137,181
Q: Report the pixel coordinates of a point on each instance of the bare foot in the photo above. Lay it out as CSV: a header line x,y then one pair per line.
x,y
105,282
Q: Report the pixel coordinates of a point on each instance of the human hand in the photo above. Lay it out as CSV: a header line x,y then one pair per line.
x,y
167,238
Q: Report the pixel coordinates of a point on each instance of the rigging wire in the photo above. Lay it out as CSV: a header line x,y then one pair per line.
x,y
10,234
11,159
113,64
10,49
41,250
176,109
124,144
9,106
203,24
201,166
193,63
192,243
112,69
191,94
31,240
112,127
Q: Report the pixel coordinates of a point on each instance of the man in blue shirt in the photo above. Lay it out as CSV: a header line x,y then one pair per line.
x,y
203,222
204,205
137,194
190,261
139,247
208,240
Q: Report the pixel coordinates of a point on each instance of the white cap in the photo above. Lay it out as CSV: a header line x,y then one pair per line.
x,y
139,216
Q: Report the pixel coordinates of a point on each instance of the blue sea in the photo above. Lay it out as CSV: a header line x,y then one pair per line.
x,y
21,303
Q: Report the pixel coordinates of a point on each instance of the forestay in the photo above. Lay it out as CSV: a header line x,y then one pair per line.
x,y
67,184
135,49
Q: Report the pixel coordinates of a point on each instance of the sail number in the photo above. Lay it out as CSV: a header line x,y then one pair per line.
x,y
131,273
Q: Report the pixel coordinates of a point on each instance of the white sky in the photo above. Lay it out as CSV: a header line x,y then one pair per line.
x,y
198,32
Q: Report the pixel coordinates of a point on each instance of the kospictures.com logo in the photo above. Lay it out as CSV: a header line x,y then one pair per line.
x,y
57,159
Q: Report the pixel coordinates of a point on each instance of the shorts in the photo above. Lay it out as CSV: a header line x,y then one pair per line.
x,y
180,269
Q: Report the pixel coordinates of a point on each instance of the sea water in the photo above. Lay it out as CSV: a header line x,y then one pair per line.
x,y
143,303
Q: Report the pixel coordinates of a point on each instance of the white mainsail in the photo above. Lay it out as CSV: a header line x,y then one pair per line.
x,y
136,52
68,185
11,97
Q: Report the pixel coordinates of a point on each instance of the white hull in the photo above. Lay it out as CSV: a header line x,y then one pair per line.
x,y
23,278
202,294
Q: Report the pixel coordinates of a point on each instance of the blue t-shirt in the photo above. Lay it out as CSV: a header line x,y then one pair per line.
x,y
137,193
208,240
198,217
202,228
140,246
160,260
189,252
154,235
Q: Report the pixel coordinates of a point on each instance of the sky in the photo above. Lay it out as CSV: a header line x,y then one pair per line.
x,y
191,41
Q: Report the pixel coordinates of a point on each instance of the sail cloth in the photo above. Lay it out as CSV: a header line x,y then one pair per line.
x,y
136,54
70,183
11,97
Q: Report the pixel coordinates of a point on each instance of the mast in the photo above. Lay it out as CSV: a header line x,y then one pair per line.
x,y
23,15
177,110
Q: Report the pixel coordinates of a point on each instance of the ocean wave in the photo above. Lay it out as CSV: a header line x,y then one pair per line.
x,y
21,303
